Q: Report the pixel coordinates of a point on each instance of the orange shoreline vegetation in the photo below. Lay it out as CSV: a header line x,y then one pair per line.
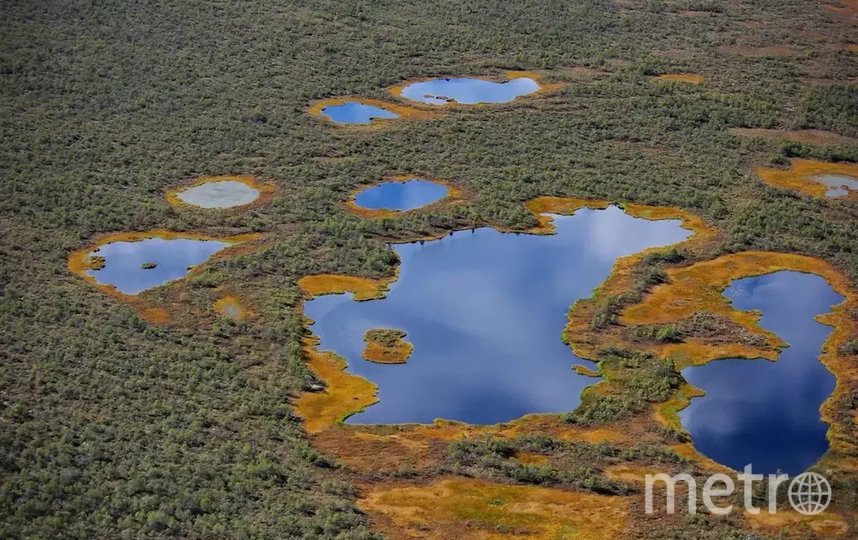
x,y
405,112
80,261
231,306
454,196
377,351
799,176
404,506
690,78
266,192
544,89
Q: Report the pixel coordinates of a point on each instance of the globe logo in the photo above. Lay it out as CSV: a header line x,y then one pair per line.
x,y
809,493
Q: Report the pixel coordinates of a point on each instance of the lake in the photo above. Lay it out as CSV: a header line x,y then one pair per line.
x,y
354,112
468,91
135,266
220,194
485,311
401,196
761,412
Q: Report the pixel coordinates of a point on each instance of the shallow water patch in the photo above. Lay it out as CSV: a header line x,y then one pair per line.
x,y
815,178
354,112
364,113
761,412
484,310
468,91
839,185
220,192
401,195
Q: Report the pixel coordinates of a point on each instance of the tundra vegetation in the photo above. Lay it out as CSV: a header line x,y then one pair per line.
x,y
112,426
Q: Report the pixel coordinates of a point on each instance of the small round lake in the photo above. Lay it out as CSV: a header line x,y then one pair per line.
x,y
468,91
767,413
401,196
133,267
220,194
838,185
354,112
484,311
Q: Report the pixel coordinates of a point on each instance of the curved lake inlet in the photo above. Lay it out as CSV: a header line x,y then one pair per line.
x,y
401,196
135,266
354,112
838,185
484,311
219,194
767,413
468,91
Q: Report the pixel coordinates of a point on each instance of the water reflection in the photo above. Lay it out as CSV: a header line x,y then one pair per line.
x,y
133,267
353,112
484,311
401,196
469,91
767,413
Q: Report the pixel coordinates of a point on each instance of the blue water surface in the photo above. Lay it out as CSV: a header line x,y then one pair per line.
x,y
838,185
485,311
353,112
469,91
767,413
401,196
173,258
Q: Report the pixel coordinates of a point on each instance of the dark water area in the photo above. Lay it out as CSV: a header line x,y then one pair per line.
x,y
133,267
767,413
401,196
485,311
468,91
353,112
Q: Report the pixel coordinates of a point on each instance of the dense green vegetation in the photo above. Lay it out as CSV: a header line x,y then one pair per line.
x,y
111,427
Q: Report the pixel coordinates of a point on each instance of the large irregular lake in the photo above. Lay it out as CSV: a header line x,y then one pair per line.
x,y
468,91
220,194
354,112
838,184
133,267
485,311
401,196
761,412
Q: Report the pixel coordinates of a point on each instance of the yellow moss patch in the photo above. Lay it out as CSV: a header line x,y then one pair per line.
x,y
386,349
404,112
361,288
795,525
799,177
558,205
530,458
345,394
454,196
266,192
460,508
690,78
155,315
629,473
581,369
230,306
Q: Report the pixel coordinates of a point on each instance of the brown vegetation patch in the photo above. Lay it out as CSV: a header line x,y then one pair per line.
x,y
468,508
799,177
361,288
266,192
231,306
809,136
690,78
794,525
386,346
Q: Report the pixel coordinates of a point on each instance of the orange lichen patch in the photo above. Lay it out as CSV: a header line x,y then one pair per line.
x,y
468,508
266,192
345,394
668,412
404,112
82,260
531,458
454,196
681,77
361,288
230,306
544,88
809,136
629,473
799,177
771,51
386,346
795,525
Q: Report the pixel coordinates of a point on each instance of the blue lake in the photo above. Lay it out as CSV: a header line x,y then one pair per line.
x,y
469,91
838,184
485,311
761,412
353,112
401,196
124,261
